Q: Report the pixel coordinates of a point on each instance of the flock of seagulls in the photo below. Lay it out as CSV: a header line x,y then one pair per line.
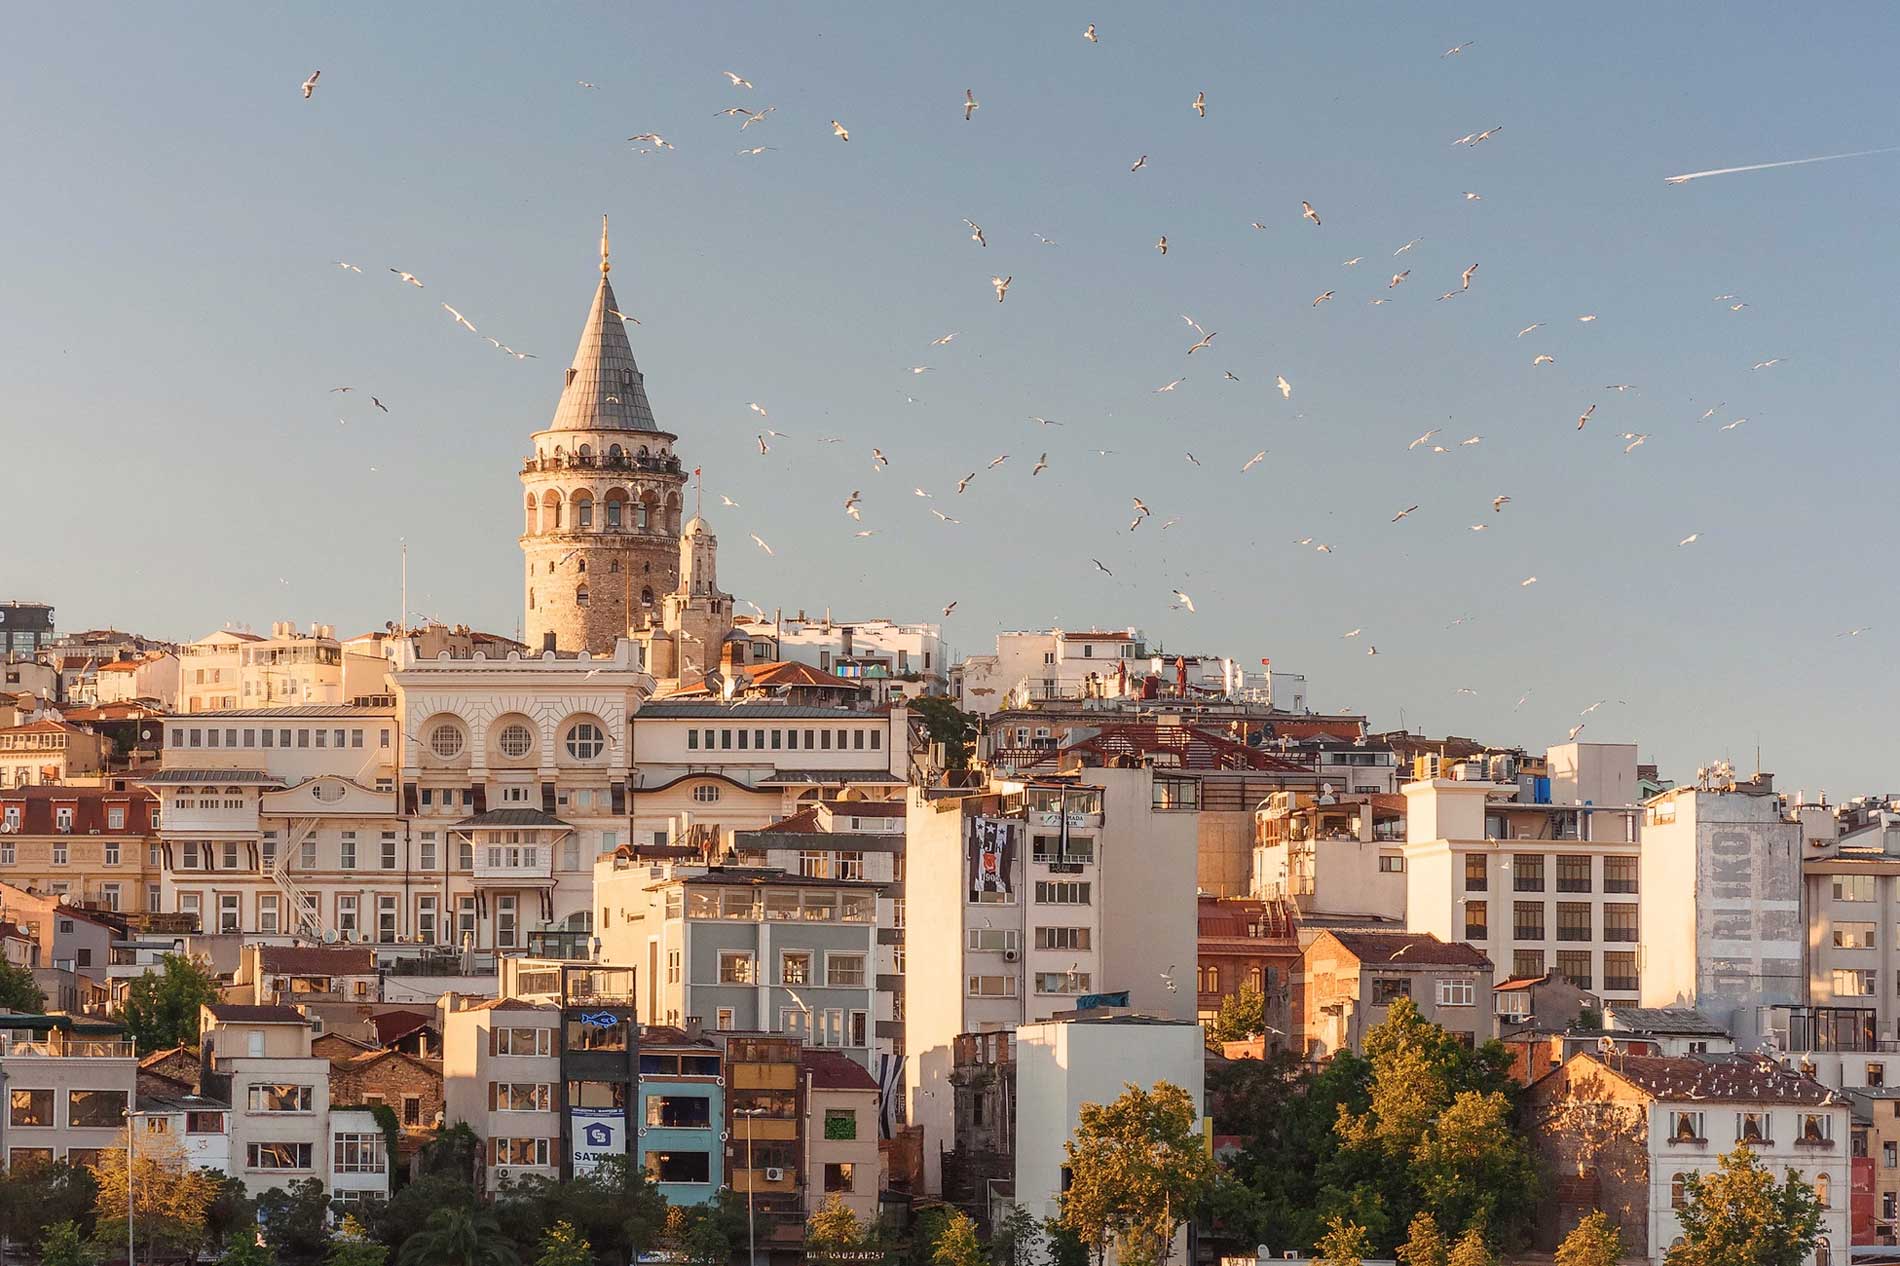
x,y
854,505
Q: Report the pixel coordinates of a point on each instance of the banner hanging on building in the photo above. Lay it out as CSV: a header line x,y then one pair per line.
x,y
598,1133
992,854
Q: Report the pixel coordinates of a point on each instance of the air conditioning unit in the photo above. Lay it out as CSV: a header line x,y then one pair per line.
x,y
775,1175
1011,956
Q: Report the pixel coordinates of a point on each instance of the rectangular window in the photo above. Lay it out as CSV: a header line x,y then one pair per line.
x,y
1391,864
1062,938
1853,982
844,971
840,1176
386,918
346,915
1573,921
1527,920
1477,873
1686,1127
1619,971
1456,993
850,865
1619,923
735,968
1574,966
519,1041
346,851
1853,887
1527,872
190,861
1573,874
230,855
278,1155
1619,874
1389,989
425,850
307,855
794,967
279,1098
1853,936
30,1108
993,940
426,930
115,821
506,921
1477,921
228,916
267,914
520,1096
1062,982
1751,1127
1062,892
389,850
877,740
989,987
361,1154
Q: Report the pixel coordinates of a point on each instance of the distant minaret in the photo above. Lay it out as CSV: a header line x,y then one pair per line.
x,y
602,496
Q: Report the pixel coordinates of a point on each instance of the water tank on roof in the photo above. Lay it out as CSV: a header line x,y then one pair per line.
x,y
1540,789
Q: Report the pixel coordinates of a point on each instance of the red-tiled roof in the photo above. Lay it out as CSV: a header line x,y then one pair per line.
x,y
1237,917
89,805
1403,949
832,1071
122,666
1743,1079
511,1004
257,1015
394,1026
790,672
45,725
1518,983
804,822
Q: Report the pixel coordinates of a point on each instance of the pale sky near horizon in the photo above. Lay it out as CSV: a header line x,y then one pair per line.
x,y
171,323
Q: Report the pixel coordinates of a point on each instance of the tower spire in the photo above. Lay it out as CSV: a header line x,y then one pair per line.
x,y
606,265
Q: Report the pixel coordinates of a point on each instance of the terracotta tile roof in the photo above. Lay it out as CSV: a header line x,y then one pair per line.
x,y
790,672
1236,917
1408,949
122,666
1739,1080
512,1004
316,960
45,725
394,1026
804,822
1517,984
832,1071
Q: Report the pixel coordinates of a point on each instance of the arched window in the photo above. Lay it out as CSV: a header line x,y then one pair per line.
x,y
516,740
646,598
1213,980
1823,1253
585,452
585,741
1253,979
583,512
613,567
580,596
445,740
580,565
1200,980
530,597
531,516
1821,1186
1678,1191
706,793
616,454
551,512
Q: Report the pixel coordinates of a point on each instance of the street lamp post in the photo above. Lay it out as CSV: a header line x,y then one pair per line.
x,y
131,1150
751,1180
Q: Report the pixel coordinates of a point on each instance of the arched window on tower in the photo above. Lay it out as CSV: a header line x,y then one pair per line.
x,y
580,564
616,455
531,597
583,512
531,515
613,567
580,596
646,599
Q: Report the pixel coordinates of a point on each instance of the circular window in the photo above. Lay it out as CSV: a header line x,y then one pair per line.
x,y
585,741
706,793
328,792
516,740
445,740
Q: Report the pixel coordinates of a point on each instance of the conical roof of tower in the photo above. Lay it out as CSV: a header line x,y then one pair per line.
x,y
604,389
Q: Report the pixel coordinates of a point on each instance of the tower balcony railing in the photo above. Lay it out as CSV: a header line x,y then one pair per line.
x,y
567,461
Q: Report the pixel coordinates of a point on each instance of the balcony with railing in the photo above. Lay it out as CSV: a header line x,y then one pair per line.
x,y
513,863
58,1045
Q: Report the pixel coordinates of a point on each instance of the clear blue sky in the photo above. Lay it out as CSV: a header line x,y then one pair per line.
x,y
172,324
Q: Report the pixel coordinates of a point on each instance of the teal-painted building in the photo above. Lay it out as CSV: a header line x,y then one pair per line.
x,y
681,1117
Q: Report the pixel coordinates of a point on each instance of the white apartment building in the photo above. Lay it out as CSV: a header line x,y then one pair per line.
x,y
1722,926
235,668
356,1169
501,1068
1052,664
1063,1064
1536,887
1025,897
874,651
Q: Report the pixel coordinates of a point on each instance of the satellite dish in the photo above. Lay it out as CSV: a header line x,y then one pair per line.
x,y
1326,789
329,936
1606,1045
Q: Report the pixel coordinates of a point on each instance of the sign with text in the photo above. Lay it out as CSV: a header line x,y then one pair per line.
x,y
597,1134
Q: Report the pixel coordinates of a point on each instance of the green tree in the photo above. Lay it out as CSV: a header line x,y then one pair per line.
x,y
1474,1169
1740,1214
243,1249
232,1210
171,1198
833,1228
1595,1241
1065,1246
1344,1244
453,1149
1138,1169
296,1222
1243,1014
957,1245
613,1207
34,1198
947,724
1017,1239
1471,1250
65,1245
18,990
459,1237
391,1222
161,1007
562,1245
353,1247
714,1232
1425,1244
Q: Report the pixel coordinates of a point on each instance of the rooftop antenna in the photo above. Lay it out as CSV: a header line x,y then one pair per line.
x,y
402,619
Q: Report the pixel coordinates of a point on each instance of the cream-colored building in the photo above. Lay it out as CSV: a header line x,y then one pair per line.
x,y
258,1059
152,675
1022,898
841,1132
50,751
501,1070
1535,887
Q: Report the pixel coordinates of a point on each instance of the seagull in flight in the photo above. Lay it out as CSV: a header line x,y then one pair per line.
x,y
1351,633
1765,364
1456,49
838,130
737,82
347,267
998,460
1353,261
1184,600
1732,425
1635,438
1408,246
1586,416
1286,388
1690,539
1205,340
760,542
460,319
1161,244
851,504
965,482
976,233
1498,504
1098,567
1169,386
1535,325
1045,421
728,502
1307,212
1042,464
952,607
1002,285
1464,278
310,84
1545,359
946,518
970,107
945,340
408,277
1576,730
379,404
1854,632
1423,439
1397,278
1199,104
1253,461
1139,163
1089,34
1401,514
1323,298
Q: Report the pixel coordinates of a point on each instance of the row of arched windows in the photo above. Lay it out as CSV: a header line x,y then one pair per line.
x,y
580,738
619,510
1208,979
584,597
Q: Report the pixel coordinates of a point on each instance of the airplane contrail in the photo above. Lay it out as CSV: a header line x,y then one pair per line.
x,y
1792,162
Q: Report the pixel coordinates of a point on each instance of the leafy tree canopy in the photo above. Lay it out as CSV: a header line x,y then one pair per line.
x,y
161,1007
1740,1213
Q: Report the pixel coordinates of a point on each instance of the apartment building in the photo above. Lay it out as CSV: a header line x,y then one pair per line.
x,y
1625,1132
874,652
86,845
1247,944
1722,925
841,1115
1349,980
1332,855
48,750
356,1167
1850,892
1535,887
200,1126
234,669
258,1060
745,948
767,1148
69,1084
679,1143
1025,897
501,1064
